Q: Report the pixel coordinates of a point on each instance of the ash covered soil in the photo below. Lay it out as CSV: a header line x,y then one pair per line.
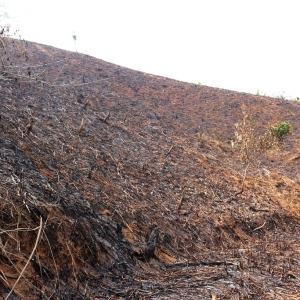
x,y
116,184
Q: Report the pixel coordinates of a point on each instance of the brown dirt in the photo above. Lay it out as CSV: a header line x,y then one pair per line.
x,y
151,165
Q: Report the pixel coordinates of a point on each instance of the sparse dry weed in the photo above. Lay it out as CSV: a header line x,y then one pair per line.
x,y
252,141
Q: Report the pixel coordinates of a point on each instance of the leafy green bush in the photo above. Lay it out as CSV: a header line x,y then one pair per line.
x,y
280,130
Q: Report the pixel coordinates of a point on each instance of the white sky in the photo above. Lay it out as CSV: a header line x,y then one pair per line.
x,y
243,45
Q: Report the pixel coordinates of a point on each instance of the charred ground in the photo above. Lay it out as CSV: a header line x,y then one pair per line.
x,y
133,178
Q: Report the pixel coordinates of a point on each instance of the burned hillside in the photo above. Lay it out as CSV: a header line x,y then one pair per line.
x,y
116,184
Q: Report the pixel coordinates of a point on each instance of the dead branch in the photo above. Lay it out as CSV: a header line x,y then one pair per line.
x,y
39,75
74,265
259,227
106,117
244,178
124,221
199,263
181,199
83,122
29,259
169,151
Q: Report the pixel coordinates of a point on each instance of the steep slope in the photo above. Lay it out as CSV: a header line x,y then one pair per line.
x,y
133,182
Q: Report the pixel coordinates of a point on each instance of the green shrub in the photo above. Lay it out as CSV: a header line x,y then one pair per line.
x,y
280,130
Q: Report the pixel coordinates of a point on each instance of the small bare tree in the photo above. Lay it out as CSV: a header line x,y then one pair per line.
x,y
252,141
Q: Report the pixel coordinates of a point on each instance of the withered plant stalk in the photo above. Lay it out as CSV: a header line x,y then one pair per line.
x,y
252,142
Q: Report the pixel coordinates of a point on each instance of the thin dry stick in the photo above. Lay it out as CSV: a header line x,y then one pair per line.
x,y
55,265
124,220
3,277
169,151
106,117
181,199
259,227
83,122
244,178
73,262
30,257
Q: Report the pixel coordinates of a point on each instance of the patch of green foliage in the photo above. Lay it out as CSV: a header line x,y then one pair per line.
x,y
280,130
